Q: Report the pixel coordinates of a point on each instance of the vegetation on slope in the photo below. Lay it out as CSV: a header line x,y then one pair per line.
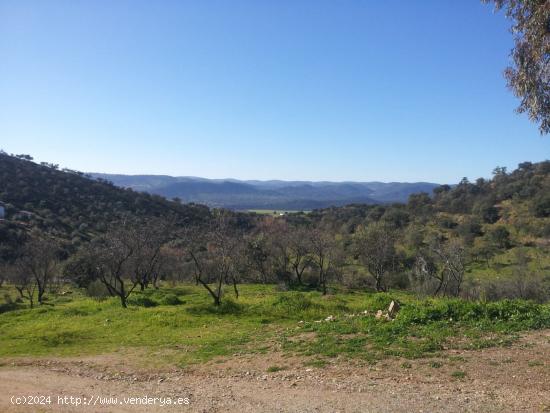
x,y
72,207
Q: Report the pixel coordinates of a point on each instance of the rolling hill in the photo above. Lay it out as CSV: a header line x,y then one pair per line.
x,y
253,194
71,206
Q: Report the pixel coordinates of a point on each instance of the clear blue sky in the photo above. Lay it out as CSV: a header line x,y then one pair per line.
x,y
291,89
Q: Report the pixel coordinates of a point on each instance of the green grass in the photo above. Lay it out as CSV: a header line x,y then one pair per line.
x,y
180,326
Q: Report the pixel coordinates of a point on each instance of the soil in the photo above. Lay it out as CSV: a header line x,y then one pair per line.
x,y
501,379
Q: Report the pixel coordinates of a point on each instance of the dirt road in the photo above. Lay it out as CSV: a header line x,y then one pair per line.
x,y
512,379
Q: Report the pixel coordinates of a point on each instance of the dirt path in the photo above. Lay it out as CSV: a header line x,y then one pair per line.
x,y
514,379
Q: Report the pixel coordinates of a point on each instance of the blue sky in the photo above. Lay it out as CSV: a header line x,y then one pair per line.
x,y
291,89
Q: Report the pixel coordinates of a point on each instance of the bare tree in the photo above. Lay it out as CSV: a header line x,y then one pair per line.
x,y
449,266
146,241
324,255
375,246
107,259
300,248
428,276
257,254
279,252
24,283
217,254
39,260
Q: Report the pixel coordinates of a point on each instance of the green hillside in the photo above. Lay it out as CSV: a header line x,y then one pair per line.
x,y
72,207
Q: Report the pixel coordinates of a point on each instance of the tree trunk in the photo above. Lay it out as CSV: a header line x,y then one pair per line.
x,y
235,288
40,295
217,300
123,301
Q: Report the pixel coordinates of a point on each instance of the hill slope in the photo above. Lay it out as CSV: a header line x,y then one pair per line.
x,y
70,205
290,195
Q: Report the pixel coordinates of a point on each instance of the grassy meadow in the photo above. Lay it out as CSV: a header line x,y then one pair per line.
x,y
180,326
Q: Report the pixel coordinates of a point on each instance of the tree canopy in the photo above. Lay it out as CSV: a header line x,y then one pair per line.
x,y
529,76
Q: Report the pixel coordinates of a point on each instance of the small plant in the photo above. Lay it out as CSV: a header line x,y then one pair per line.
x,y
458,374
315,363
534,363
274,369
406,365
436,364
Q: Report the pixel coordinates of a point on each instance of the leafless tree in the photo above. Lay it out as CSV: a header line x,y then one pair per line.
x,y
300,252
217,254
324,255
258,254
24,283
107,259
375,246
146,241
39,261
427,275
444,262
279,252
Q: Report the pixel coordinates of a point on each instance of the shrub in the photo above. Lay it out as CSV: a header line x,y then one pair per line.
x,y
8,304
142,301
227,306
97,290
170,299
294,302
458,374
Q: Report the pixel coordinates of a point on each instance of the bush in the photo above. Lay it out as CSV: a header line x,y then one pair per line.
x,y
8,304
142,301
294,302
97,290
227,306
170,299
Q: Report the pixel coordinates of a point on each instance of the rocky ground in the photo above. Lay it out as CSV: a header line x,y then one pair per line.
x,y
507,379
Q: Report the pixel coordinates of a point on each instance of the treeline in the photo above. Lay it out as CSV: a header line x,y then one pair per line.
x,y
487,239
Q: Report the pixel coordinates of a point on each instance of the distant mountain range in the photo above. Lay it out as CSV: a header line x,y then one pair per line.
x,y
272,195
